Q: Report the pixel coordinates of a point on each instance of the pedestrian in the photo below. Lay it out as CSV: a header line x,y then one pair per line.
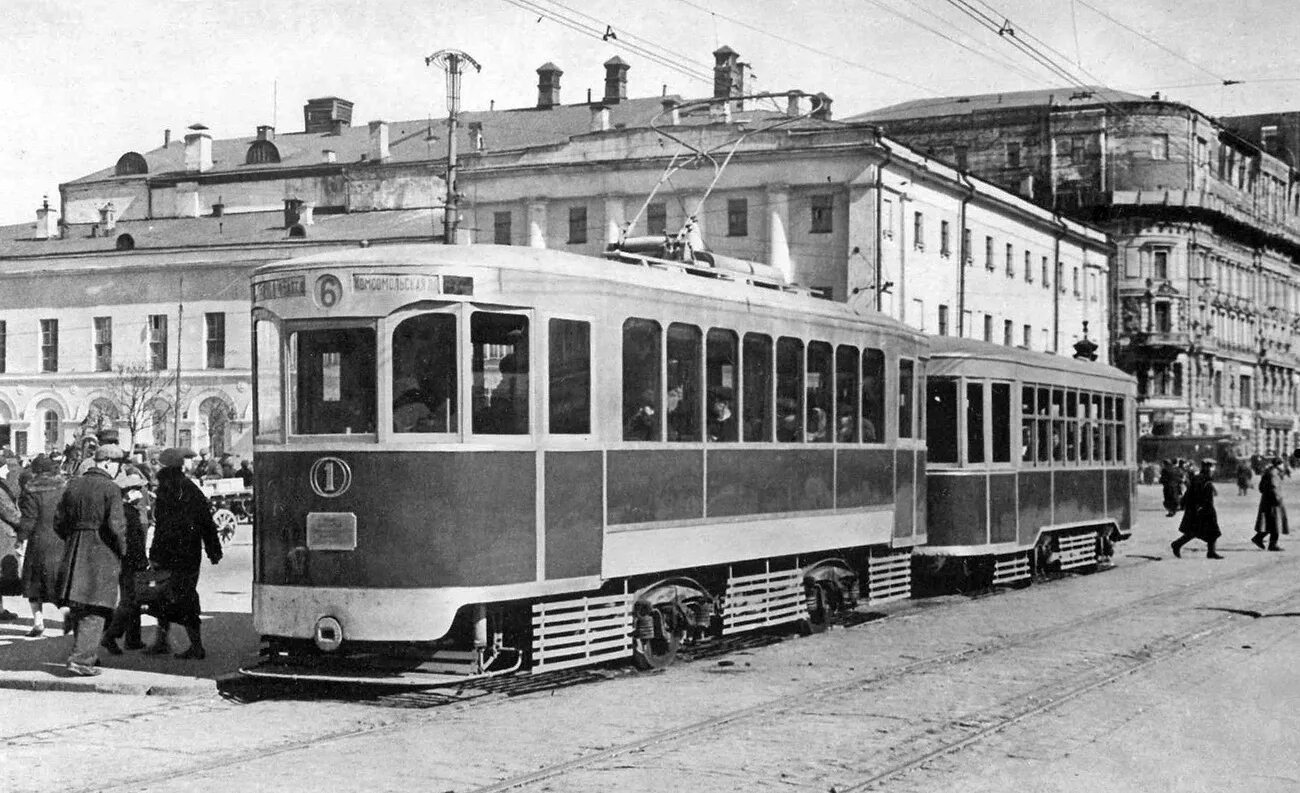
x,y
92,525
1171,485
1200,519
126,617
1270,520
10,519
183,531
245,472
204,467
43,547
1244,475
227,467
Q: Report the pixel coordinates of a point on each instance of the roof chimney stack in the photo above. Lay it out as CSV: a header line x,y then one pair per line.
x,y
728,75
198,149
548,86
107,219
476,135
47,221
167,138
379,140
599,118
326,114
792,104
265,132
670,110
823,107
615,81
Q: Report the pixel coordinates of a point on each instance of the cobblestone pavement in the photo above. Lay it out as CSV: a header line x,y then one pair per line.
x,y
1157,675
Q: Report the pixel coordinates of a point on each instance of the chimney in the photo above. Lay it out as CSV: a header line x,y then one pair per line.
x,y
476,135
47,221
305,213
327,114
823,107
615,81
292,212
728,75
107,219
548,86
167,138
328,155
198,149
379,140
670,110
599,118
792,104
265,132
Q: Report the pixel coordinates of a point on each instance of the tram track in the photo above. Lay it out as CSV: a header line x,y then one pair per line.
x,y
716,723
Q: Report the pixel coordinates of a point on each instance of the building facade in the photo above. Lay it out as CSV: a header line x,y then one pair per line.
x,y
148,253
1205,215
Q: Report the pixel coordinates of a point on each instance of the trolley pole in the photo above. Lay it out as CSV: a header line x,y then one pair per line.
x,y
450,62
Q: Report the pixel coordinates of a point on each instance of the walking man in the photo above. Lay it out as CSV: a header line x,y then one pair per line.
x,y
92,524
1271,518
1200,519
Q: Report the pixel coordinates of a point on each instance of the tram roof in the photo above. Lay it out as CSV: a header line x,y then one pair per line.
x,y
526,259
952,356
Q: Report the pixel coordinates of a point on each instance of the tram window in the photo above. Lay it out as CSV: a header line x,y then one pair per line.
x,y
1108,407
1027,424
499,356
906,373
570,377
1000,407
1085,427
684,393
641,384
941,415
789,389
720,379
757,386
1072,426
873,396
1043,404
1058,425
975,422
269,382
846,394
921,423
820,396
334,381
424,374
1121,432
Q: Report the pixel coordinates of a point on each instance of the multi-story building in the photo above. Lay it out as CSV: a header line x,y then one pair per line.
x,y
836,208
1205,214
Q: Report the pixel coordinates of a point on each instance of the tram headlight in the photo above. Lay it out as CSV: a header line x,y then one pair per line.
x,y
328,634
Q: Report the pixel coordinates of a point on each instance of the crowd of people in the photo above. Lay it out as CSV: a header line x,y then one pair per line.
x,y
1193,494
80,524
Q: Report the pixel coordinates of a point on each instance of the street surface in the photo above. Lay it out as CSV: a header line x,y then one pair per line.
x,y
1157,675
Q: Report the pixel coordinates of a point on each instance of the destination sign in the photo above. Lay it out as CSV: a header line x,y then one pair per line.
x,y
412,283
293,286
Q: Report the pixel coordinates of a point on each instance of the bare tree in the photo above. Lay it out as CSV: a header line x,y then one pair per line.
x,y
144,396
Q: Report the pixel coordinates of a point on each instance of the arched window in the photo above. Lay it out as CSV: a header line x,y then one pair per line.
x,y
51,423
131,164
216,414
262,151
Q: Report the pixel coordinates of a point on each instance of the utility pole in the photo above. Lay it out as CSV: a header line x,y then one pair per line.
x,y
450,62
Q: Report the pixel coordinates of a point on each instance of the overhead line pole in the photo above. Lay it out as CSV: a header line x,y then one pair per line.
x,y
450,62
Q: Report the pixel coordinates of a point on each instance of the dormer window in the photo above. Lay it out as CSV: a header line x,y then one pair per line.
x,y
131,164
262,152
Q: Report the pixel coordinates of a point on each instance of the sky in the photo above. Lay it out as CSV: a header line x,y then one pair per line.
x,y
87,80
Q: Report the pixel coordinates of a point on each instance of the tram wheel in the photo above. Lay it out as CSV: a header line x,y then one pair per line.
x,y
656,653
821,606
226,523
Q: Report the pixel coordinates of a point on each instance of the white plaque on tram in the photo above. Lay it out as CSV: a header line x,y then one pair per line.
x,y
331,531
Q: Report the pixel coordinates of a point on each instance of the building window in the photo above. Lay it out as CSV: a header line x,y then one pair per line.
x,y
887,218
1013,154
50,423
656,218
1246,397
1028,336
1267,137
1078,149
577,225
918,231
822,214
1162,319
158,341
1159,147
943,320
945,245
737,217
966,251
961,157
501,228
988,327
1076,282
49,345
103,344
4,344
1047,283
1029,268
215,329
1011,265
1008,332
988,253
1160,264
1093,290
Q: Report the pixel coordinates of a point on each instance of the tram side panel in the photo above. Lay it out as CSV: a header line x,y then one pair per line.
x,y
1119,498
956,504
1079,496
574,513
1035,494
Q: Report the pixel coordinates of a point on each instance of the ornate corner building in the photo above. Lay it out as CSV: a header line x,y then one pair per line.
x,y
1205,215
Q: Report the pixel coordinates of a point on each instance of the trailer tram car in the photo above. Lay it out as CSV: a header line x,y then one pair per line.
x,y
472,460
1030,464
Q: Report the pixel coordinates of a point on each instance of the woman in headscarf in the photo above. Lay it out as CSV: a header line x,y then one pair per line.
x,y
38,503
183,531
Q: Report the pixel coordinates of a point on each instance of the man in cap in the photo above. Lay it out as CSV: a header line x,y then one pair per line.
x,y
1270,520
10,518
91,521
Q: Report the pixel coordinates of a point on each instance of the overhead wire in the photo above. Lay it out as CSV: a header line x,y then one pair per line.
x,y
1023,72
1222,80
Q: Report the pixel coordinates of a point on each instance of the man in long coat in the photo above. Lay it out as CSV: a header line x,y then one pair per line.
x,y
93,526
1271,518
1200,518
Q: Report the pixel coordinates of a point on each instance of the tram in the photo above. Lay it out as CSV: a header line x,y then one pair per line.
x,y
472,460
1029,464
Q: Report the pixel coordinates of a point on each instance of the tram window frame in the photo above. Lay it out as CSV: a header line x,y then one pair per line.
x,y
942,414
1028,433
1108,408
570,414
294,331
485,417
393,323
847,382
1121,429
757,387
906,398
1058,425
819,399
1043,418
974,426
265,374
684,369
789,390
1071,426
642,380
1000,422
875,388
721,381
1098,429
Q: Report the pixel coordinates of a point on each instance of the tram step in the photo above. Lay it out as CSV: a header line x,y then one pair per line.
x,y
1076,550
581,631
889,576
